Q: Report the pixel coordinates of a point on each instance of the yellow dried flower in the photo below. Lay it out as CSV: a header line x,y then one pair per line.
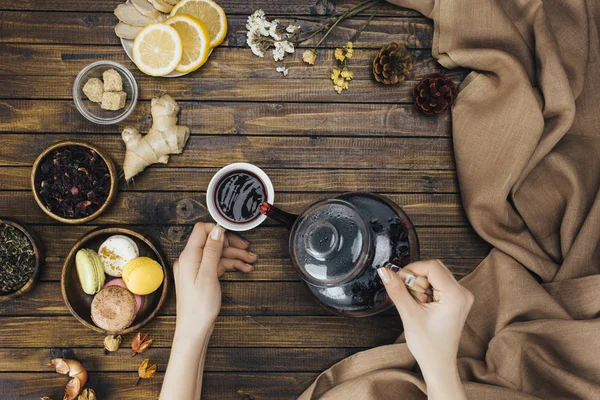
x,y
339,81
339,54
335,73
347,74
309,57
337,88
349,50
345,85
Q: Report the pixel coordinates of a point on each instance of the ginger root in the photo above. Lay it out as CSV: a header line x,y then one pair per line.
x,y
164,138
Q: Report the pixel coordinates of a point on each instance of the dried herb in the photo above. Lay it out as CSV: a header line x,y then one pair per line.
x,y
73,182
145,371
140,343
17,259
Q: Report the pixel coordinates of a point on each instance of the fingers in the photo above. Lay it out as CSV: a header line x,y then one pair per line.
x,y
420,297
191,256
239,254
420,284
236,241
228,265
394,285
211,256
435,271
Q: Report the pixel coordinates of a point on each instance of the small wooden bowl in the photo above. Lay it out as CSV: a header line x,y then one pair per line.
x,y
113,181
36,250
79,303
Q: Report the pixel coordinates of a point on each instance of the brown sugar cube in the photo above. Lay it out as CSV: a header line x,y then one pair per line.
x,y
113,100
112,81
93,89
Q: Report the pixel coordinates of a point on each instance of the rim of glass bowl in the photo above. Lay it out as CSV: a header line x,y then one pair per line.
x,y
84,111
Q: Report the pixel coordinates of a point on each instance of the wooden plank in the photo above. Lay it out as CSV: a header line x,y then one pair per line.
x,y
195,87
98,29
119,386
168,208
219,359
270,269
275,152
460,248
239,298
231,7
251,297
224,63
251,119
232,331
289,180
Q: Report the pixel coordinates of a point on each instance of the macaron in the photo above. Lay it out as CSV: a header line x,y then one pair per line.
x,y
139,300
113,309
115,252
90,270
143,275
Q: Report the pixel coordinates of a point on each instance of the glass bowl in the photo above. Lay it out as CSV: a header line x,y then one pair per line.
x,y
92,110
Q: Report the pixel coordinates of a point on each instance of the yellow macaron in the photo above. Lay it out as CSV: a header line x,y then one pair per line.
x,y
143,275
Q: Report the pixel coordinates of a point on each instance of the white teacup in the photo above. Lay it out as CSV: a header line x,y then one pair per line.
x,y
211,196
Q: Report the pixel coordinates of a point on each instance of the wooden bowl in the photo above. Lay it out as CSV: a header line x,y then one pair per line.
x,y
36,249
79,303
111,169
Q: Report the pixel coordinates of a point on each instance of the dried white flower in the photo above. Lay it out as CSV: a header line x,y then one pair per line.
x,y
292,29
283,70
277,32
258,22
281,48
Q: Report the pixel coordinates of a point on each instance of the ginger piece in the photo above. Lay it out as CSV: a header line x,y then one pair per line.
x,y
93,89
164,138
113,101
112,81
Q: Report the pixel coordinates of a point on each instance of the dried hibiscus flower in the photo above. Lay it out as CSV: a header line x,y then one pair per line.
x,y
145,371
140,343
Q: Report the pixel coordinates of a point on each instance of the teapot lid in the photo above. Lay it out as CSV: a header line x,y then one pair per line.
x,y
330,243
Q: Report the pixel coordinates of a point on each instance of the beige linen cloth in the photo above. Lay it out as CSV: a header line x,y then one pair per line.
x,y
526,133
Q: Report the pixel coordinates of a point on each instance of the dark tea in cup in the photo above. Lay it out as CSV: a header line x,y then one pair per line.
x,y
235,193
238,196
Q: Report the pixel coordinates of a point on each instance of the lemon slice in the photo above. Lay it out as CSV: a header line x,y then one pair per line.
x,y
195,40
157,49
208,12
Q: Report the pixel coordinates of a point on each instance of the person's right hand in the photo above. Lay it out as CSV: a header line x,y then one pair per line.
x,y
432,328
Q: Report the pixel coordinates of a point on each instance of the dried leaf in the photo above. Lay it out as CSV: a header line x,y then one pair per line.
x,y
140,343
75,370
145,371
72,389
87,394
112,343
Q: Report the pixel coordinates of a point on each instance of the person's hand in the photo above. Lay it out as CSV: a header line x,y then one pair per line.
x,y
208,254
432,327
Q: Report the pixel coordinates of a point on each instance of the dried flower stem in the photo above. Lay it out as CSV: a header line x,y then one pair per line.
x,y
365,5
364,26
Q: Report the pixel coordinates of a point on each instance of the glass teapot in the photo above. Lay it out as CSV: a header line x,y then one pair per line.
x,y
337,245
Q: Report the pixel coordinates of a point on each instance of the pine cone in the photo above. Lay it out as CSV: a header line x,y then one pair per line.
x,y
434,94
392,64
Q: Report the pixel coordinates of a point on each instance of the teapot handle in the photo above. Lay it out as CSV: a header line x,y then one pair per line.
x,y
284,218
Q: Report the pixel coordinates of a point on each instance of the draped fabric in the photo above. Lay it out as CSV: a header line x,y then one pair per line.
x,y
526,137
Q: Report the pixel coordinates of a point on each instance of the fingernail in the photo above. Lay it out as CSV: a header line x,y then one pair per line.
x,y
216,232
384,274
250,267
252,254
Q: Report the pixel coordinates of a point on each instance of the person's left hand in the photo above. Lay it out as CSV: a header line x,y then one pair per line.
x,y
208,254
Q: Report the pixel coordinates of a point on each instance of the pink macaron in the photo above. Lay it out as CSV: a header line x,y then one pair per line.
x,y
139,300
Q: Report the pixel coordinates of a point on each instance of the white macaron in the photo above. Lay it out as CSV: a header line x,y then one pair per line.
x,y
115,252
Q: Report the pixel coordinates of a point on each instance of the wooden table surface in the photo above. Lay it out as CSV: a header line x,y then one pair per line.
x,y
272,339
